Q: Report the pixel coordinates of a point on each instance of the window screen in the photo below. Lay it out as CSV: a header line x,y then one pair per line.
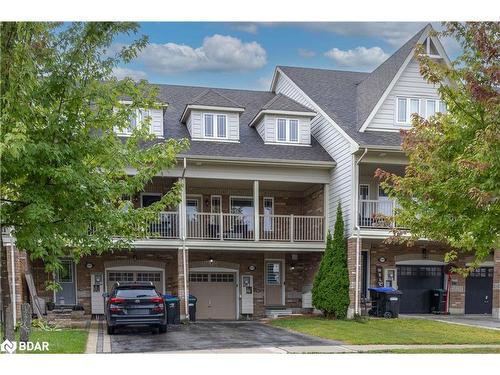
x,y
209,125
402,109
294,130
281,131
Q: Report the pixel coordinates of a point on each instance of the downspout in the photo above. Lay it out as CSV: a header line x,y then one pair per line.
x,y
12,263
358,235
184,254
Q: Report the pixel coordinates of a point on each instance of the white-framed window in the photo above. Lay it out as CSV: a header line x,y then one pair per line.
x,y
268,204
287,130
430,108
135,119
215,125
405,107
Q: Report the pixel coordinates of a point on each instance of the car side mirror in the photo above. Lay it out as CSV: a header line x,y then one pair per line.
x,y
105,295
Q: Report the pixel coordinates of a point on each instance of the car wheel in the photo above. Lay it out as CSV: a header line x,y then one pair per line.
x,y
387,315
163,328
111,330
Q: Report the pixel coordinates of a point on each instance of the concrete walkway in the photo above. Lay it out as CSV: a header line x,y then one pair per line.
x,y
481,321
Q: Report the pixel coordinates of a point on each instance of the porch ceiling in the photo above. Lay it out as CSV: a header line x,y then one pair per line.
x,y
240,184
368,169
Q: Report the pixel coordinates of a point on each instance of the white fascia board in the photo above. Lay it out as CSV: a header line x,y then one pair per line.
x,y
190,107
353,143
283,113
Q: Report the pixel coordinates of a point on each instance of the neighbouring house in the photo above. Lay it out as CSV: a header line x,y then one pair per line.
x,y
262,179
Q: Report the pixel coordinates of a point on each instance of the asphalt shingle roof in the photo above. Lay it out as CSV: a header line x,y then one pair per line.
x,y
283,103
213,97
251,145
349,97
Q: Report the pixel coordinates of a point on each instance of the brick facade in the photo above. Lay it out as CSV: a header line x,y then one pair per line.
x,y
299,272
496,284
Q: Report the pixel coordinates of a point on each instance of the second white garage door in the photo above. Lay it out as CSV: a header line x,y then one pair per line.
x,y
216,293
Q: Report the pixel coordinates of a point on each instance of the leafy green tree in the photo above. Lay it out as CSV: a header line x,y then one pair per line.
x,y
63,167
450,190
331,284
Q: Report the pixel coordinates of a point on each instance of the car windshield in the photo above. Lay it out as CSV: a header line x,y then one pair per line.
x,y
136,293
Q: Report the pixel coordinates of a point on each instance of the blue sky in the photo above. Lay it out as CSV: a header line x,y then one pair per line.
x,y
243,55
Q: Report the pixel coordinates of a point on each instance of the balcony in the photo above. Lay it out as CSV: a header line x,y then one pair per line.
x,y
239,227
376,214
238,211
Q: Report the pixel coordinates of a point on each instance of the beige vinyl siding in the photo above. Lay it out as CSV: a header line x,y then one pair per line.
x,y
195,124
410,85
336,145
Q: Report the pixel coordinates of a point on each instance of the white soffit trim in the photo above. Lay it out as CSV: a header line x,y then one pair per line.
x,y
424,35
278,112
420,262
320,110
190,107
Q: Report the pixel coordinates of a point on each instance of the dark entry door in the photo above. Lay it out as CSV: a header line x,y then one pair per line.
x,y
479,291
416,283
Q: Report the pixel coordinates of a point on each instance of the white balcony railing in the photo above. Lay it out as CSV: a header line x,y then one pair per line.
x,y
167,225
376,214
292,228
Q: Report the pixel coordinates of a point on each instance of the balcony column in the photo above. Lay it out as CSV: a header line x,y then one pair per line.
x,y
182,210
256,220
326,208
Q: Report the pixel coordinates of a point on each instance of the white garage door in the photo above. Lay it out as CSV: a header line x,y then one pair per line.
x,y
216,293
125,275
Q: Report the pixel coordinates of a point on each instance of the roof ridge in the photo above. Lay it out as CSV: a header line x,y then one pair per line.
x,y
324,69
225,97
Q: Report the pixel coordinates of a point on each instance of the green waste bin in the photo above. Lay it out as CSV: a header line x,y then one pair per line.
x,y
192,308
173,309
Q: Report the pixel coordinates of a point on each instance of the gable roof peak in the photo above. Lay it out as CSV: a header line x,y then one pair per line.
x,y
214,97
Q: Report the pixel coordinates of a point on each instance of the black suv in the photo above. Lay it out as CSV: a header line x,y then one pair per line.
x,y
135,303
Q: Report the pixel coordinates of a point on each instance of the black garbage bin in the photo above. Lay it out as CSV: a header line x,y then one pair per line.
x,y
438,301
173,309
385,302
192,308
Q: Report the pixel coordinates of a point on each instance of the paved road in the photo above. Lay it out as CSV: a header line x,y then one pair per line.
x,y
211,336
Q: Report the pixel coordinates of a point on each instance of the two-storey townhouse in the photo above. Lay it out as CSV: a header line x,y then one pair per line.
x,y
248,236
263,175
358,122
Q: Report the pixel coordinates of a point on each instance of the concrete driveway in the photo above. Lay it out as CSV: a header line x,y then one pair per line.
x,y
210,336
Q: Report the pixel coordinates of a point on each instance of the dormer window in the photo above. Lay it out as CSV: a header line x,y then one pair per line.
x,y
136,118
215,125
287,130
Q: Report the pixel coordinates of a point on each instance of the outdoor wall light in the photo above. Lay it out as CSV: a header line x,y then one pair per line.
x,y
89,265
211,260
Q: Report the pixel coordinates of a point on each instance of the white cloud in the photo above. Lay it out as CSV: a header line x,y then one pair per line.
x,y
250,28
394,33
306,53
264,83
359,57
217,53
120,73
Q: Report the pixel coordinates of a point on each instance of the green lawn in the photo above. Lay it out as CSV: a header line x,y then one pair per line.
x,y
442,351
65,341
390,331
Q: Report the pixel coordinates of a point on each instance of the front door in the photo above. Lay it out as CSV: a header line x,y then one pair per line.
x,y
479,291
66,295
274,283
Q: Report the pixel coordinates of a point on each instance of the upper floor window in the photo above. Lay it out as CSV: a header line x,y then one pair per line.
x,y
135,119
215,126
287,130
405,107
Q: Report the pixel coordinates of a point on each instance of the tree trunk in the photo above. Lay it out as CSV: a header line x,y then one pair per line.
x,y
26,315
